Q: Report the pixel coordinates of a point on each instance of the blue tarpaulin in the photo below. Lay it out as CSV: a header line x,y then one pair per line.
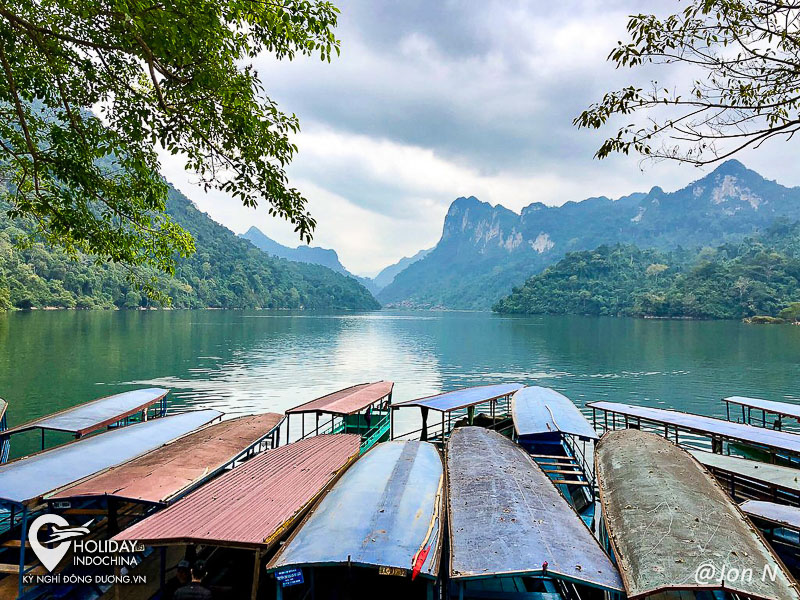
x,y
462,398
385,511
32,477
539,410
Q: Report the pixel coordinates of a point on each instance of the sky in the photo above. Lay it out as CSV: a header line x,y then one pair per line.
x,y
430,101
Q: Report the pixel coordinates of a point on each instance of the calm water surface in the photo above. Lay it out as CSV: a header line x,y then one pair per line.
x,y
245,362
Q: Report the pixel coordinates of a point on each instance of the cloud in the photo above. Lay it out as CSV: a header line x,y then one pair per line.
x,y
434,100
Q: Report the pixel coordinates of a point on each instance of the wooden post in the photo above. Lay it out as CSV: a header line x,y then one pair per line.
x,y
471,415
424,433
317,423
256,575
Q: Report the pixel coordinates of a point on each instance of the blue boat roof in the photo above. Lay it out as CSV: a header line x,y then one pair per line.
x,y
760,436
779,408
540,410
462,398
385,511
781,514
95,414
32,477
508,519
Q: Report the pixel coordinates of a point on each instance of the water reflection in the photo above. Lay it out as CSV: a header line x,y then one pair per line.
x,y
244,362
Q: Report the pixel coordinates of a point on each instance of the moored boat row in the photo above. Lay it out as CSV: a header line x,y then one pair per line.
x,y
507,510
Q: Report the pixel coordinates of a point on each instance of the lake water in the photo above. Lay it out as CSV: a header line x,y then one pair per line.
x,y
245,362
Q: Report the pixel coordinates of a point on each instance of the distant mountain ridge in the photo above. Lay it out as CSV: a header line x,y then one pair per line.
x,y
328,258
304,254
486,250
388,274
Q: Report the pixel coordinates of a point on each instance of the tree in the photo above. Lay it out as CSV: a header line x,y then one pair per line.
x,y
791,312
173,74
747,55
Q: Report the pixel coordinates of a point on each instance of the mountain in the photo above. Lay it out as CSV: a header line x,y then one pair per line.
x,y
304,254
758,276
225,272
486,250
387,275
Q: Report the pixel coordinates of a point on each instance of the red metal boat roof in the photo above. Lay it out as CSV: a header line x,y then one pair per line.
x,y
347,401
253,505
160,475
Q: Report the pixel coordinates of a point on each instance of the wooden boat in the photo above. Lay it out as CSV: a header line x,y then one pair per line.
x,y
552,429
512,533
25,482
780,524
673,530
489,405
376,534
361,409
238,519
110,412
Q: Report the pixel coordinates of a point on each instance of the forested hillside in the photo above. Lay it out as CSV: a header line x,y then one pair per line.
x,y
758,276
225,272
486,250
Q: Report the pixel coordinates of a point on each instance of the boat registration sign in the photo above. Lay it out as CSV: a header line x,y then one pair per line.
x,y
289,577
396,571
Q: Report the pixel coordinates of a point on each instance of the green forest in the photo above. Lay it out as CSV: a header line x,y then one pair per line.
x,y
224,272
758,276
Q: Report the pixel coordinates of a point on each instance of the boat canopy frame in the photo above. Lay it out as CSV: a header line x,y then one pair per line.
x,y
671,424
765,407
455,405
116,410
362,409
745,479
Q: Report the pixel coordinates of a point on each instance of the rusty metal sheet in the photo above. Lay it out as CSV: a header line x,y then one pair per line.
x,y
255,504
29,478
672,527
539,410
95,414
780,514
158,476
769,438
462,398
347,401
386,512
508,519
